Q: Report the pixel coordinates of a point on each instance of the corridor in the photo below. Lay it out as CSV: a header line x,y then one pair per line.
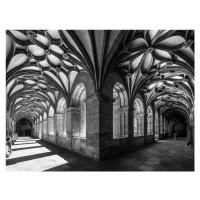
x,y
31,154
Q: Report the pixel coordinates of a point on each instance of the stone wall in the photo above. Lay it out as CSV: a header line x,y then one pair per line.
x,y
104,119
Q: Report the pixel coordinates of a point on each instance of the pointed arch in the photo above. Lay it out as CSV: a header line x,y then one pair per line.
x,y
79,114
149,121
156,126
120,111
138,117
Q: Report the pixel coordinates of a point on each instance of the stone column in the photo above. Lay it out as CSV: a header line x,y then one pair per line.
x,y
130,122
33,130
70,125
7,123
45,126
64,124
50,125
159,127
40,129
35,133
99,125
188,130
124,111
59,124
191,128
145,128
154,131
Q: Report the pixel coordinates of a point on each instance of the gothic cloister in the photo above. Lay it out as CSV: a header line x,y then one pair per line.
x,y
101,93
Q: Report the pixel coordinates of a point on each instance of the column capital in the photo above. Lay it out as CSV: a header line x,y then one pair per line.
x,y
101,97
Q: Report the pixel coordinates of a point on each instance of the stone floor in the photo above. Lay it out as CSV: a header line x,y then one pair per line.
x,y
30,154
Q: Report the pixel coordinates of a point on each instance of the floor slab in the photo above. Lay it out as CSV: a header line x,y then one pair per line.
x,y
30,154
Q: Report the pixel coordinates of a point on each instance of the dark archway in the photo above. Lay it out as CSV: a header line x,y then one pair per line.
x,y
178,124
24,127
180,128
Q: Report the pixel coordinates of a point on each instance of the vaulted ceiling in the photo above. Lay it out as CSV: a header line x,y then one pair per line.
x,y
41,66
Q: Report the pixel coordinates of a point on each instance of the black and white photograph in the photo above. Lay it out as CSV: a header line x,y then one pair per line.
x,y
123,98
99,100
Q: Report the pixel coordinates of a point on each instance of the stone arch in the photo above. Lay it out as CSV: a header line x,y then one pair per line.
x,y
164,124
79,111
149,121
44,115
61,106
51,112
120,111
27,117
83,78
24,126
161,124
40,125
139,111
44,123
51,121
61,117
78,93
156,125
109,83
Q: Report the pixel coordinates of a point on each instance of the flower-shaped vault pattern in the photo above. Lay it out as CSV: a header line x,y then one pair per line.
x,y
41,66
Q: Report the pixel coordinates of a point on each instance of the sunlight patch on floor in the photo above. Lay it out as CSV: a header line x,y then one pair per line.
x,y
40,164
15,147
28,152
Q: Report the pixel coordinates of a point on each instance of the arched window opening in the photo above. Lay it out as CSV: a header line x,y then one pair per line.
x,y
149,121
161,124
79,111
64,120
164,125
51,112
61,117
156,126
138,118
45,123
23,127
51,121
40,127
120,111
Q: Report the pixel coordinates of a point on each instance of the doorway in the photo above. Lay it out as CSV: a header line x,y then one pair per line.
x,y
24,127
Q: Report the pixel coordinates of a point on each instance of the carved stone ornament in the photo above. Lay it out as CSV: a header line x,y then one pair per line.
x,y
187,43
65,56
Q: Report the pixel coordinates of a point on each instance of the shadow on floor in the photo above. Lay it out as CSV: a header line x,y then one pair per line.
x,y
13,161
26,148
163,155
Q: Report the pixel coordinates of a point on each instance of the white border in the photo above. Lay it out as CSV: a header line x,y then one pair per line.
x,y
104,14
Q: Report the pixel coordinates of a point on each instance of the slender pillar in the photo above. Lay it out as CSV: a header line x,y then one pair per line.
x,y
7,123
50,125
40,129
145,128
45,127
71,125
130,123
153,127
59,124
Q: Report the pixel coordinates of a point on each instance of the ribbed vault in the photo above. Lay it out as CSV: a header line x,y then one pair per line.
x,y
41,66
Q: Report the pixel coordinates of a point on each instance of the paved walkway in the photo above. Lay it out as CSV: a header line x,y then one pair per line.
x,y
31,154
